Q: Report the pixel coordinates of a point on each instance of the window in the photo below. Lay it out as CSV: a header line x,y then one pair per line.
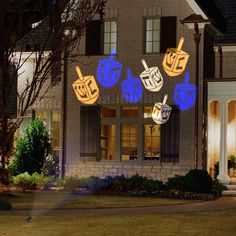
x,y
152,27
160,34
108,112
151,142
129,142
52,119
101,38
108,142
110,36
129,112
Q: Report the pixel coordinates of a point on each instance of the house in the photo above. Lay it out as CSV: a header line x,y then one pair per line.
x,y
116,136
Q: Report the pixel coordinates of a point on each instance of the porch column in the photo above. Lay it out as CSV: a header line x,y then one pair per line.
x,y
223,162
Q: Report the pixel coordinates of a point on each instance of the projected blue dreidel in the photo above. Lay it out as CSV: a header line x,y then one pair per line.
x,y
109,70
185,94
161,111
132,89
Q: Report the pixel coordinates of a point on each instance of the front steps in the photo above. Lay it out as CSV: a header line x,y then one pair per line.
x,y
231,188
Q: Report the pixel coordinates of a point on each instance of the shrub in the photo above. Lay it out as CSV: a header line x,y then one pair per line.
x,y
198,181
25,181
217,188
32,149
176,182
4,205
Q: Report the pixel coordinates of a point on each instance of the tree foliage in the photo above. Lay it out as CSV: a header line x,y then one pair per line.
x,y
32,149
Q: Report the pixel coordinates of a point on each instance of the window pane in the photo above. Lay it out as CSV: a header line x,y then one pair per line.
x,y
107,48
108,142
149,24
42,115
149,36
113,37
148,112
55,130
108,112
151,142
113,26
107,37
156,35
149,47
156,24
129,112
129,142
156,46
107,27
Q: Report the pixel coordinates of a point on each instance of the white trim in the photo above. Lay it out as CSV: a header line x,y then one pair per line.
x,y
196,8
222,90
25,55
226,48
200,25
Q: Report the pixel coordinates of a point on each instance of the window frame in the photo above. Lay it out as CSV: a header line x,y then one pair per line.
x,y
145,34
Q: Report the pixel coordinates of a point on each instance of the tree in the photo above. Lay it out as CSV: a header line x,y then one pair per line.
x,y
66,21
32,149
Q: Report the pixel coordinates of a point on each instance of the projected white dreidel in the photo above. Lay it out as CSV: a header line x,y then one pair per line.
x,y
151,78
161,111
86,88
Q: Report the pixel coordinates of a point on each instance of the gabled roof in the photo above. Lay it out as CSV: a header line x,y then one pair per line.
x,y
228,9
37,39
210,8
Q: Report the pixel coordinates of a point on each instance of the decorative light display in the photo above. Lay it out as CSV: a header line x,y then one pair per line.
x,y
151,78
86,88
161,111
185,94
109,70
132,89
175,60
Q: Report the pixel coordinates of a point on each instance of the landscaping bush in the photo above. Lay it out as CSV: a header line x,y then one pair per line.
x,y
217,188
25,181
32,149
4,205
176,182
198,181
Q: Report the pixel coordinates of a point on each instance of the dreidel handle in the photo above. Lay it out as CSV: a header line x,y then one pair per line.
x,y
145,65
165,99
186,81
129,75
180,45
113,52
79,72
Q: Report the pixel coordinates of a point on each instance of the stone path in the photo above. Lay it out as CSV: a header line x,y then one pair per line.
x,y
219,204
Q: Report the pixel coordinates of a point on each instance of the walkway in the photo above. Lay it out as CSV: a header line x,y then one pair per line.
x,y
219,204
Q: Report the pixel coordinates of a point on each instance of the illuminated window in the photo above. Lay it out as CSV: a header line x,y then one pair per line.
x,y
108,142
129,142
108,112
152,37
129,112
147,112
110,36
52,119
151,142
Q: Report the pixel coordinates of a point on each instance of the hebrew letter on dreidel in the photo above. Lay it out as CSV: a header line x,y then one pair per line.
x,y
175,60
185,94
132,89
151,78
161,112
86,88
109,70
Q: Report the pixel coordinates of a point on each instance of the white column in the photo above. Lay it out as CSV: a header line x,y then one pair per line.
x,y
223,162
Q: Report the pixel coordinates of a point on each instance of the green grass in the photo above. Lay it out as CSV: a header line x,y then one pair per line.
x,y
202,223
47,200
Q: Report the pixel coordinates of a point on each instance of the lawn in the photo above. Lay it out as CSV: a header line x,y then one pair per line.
x,y
47,200
138,224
